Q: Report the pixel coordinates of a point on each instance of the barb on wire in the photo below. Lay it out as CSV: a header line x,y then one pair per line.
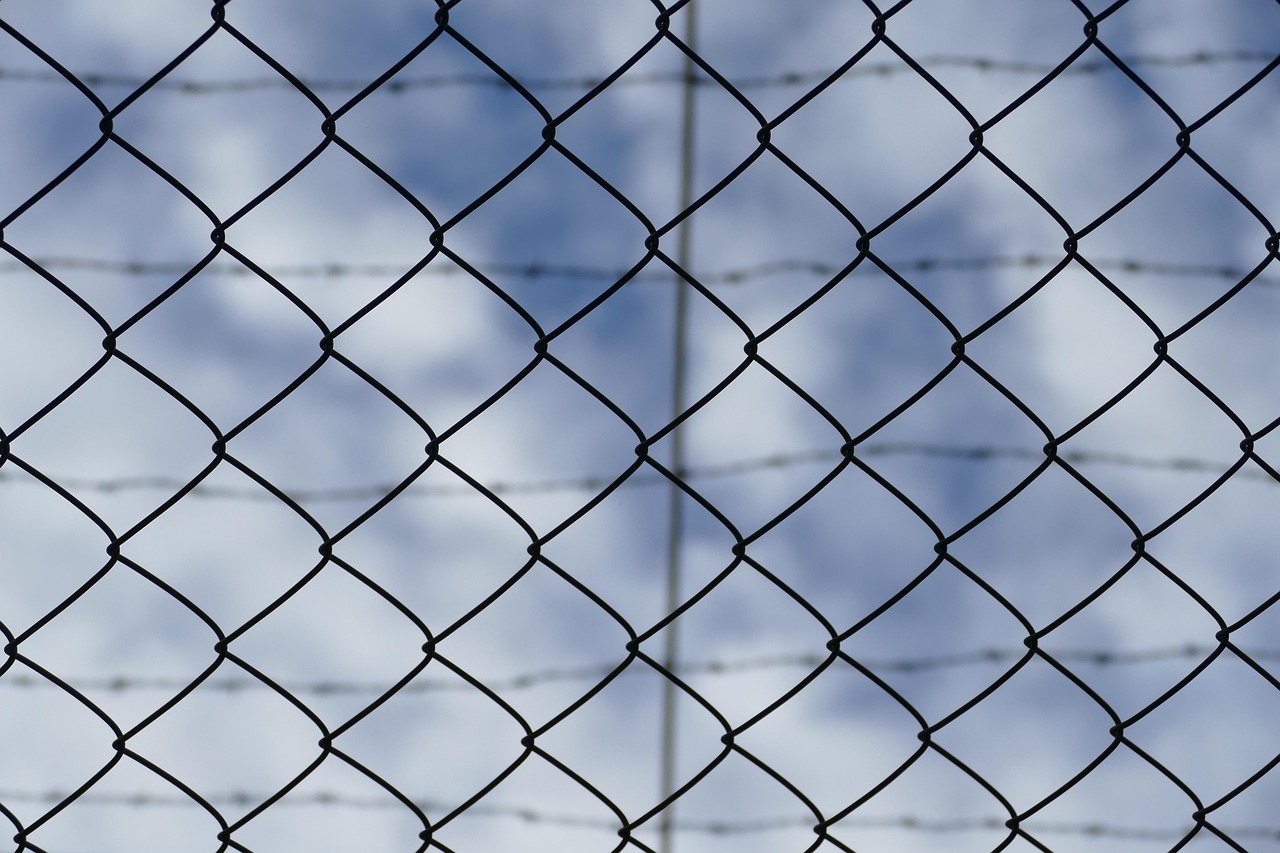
x,y
737,275
785,79
525,681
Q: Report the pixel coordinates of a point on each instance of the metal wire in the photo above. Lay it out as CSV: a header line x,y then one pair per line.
x,y
591,674
909,823
441,662
551,272
694,473
787,79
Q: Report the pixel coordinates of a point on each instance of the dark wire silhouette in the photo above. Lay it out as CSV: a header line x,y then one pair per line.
x,y
784,79
19,680
525,814
731,276
645,478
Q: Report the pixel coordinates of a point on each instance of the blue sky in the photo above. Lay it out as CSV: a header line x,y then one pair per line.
x,y
343,240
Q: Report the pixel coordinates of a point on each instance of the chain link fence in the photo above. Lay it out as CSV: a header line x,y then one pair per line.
x,y
713,425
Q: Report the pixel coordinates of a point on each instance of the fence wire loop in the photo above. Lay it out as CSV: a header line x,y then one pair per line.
x,y
524,719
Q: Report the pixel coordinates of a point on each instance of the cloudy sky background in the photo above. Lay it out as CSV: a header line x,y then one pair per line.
x,y
338,237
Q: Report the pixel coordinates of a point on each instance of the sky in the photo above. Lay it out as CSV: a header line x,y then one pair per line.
x,y
322,399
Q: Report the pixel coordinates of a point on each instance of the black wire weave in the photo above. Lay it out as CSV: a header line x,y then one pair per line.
x,y
441,664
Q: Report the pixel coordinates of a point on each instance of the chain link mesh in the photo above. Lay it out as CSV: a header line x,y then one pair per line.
x,y
336,450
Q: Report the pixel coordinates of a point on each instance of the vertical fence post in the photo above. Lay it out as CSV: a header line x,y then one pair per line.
x,y
675,526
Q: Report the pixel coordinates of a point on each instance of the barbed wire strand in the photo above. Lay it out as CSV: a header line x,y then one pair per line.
x,y
590,483
783,79
911,823
525,681
738,275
